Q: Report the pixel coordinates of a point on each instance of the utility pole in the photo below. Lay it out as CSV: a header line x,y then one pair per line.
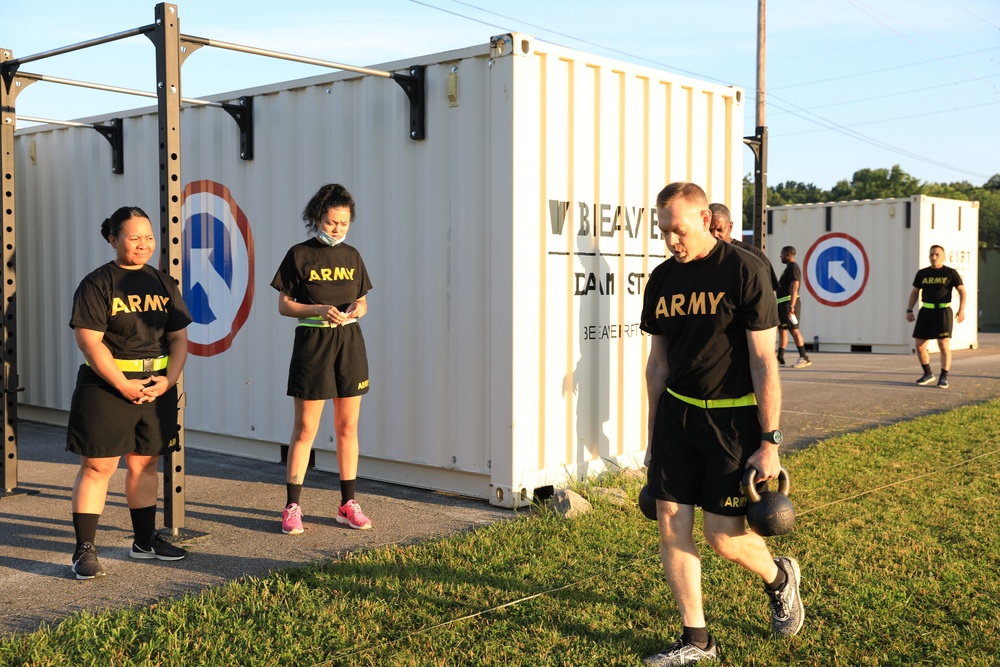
x,y
758,142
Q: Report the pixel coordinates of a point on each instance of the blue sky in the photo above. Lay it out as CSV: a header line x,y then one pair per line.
x,y
850,84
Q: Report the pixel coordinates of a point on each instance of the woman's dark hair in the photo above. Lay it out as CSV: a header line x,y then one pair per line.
x,y
332,195
113,226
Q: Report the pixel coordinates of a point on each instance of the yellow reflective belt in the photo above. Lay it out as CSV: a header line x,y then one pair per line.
x,y
934,305
782,299
749,399
141,365
320,323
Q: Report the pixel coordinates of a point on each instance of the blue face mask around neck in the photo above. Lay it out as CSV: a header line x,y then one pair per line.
x,y
325,238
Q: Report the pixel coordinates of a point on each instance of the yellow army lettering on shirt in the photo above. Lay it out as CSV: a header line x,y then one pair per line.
x,y
336,273
139,303
698,303
941,280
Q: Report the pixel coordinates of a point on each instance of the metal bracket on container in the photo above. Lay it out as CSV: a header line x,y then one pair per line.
x,y
511,44
242,113
413,85
113,133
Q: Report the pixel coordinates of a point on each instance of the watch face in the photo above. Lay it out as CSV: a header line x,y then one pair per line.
x,y
776,437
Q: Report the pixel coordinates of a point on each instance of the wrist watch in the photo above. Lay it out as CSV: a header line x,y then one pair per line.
x,y
771,436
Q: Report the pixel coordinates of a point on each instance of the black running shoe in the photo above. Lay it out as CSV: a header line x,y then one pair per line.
x,y
85,563
926,379
159,549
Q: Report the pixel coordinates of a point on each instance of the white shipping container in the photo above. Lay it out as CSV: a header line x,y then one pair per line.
x,y
508,252
858,261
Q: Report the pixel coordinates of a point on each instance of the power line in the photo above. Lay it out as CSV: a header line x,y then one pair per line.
x,y
880,71
796,111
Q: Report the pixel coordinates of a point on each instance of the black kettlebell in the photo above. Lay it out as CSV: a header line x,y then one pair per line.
x,y
769,512
647,503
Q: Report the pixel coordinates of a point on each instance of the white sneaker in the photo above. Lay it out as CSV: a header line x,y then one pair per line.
x,y
802,363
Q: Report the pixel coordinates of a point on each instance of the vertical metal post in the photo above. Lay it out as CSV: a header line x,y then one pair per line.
x,y
167,38
759,141
8,351
758,144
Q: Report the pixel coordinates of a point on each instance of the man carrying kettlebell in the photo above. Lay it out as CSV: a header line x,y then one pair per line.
x,y
714,407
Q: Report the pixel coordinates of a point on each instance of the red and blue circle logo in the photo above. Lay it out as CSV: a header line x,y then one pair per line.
x,y
218,270
836,269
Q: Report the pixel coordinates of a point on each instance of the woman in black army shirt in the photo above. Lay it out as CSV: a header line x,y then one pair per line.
x,y
129,321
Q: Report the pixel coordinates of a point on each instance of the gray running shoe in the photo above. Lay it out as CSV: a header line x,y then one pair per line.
x,y
85,563
682,653
787,613
925,379
159,549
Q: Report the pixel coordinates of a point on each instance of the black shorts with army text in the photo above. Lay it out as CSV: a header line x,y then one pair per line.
x,y
934,323
104,424
699,455
328,363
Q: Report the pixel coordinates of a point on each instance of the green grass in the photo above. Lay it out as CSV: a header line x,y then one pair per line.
x,y
898,536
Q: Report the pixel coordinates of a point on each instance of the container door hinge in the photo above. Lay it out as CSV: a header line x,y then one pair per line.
x,y
413,85
242,113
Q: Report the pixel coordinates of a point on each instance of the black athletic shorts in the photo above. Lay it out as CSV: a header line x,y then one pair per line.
x,y
328,363
103,423
699,454
783,322
933,323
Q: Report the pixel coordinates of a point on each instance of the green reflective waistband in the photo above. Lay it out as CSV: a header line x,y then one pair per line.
x,y
749,399
782,299
320,323
934,305
141,365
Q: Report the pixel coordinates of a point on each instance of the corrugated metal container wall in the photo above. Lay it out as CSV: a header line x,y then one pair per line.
x,y
858,261
508,253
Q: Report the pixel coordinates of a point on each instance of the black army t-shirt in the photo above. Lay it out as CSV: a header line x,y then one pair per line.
x,y
935,285
313,272
791,274
135,308
704,309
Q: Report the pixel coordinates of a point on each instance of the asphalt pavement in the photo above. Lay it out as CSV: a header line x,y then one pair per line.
x,y
233,505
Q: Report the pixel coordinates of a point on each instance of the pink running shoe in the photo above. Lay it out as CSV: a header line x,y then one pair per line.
x,y
351,515
291,520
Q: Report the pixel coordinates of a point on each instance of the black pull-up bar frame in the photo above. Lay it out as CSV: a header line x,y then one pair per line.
x,y
171,49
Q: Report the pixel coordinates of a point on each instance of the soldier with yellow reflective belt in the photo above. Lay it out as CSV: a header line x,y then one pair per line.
x,y
714,405
790,308
323,283
933,286
129,321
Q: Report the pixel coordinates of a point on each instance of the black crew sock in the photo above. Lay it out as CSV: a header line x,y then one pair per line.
x,y
781,354
695,636
944,374
293,493
85,527
927,369
778,582
346,490
143,525
802,352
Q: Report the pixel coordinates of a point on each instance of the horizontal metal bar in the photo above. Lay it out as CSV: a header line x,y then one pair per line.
x,y
17,62
112,89
67,123
284,56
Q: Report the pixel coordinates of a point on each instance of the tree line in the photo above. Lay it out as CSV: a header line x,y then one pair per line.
x,y
886,184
